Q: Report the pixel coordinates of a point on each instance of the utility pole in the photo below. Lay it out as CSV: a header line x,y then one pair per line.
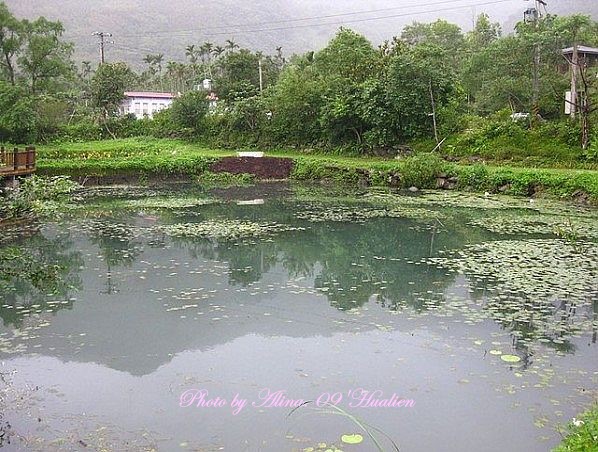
x,y
434,113
101,36
261,76
533,16
574,73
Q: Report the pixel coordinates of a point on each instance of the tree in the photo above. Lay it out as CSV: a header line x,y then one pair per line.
x,y
11,41
108,86
343,66
231,45
483,34
237,75
218,50
189,110
191,53
45,57
349,55
295,102
499,76
18,118
397,105
442,34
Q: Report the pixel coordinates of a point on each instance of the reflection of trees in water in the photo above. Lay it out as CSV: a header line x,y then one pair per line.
x,y
118,248
376,261
531,320
335,253
36,271
354,264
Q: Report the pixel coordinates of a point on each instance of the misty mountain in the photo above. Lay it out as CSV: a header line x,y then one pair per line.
x,y
140,27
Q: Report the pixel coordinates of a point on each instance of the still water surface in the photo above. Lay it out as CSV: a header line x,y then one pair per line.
x,y
325,294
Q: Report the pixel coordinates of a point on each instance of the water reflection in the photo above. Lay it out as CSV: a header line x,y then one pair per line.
x,y
378,261
332,306
39,273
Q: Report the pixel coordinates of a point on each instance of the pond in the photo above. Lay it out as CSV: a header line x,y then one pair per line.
x,y
281,317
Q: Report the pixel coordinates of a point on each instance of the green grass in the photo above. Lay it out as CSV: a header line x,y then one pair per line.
x,y
150,156
126,156
582,434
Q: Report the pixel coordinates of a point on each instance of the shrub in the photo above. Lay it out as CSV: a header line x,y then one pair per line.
x,y
583,434
421,170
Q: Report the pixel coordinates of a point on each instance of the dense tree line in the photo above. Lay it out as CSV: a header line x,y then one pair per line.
x,y
349,95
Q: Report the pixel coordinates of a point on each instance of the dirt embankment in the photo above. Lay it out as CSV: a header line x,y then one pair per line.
x,y
261,167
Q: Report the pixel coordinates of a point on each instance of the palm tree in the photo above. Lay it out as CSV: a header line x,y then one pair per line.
x,y
218,50
150,60
158,59
208,46
171,74
231,45
85,69
191,53
181,74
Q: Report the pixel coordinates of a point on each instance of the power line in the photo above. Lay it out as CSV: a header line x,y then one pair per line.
x,y
228,33
444,2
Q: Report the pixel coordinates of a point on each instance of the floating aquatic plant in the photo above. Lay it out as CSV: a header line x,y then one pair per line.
x,y
168,203
225,229
352,439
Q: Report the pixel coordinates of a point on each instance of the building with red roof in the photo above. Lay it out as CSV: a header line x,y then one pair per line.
x,y
145,104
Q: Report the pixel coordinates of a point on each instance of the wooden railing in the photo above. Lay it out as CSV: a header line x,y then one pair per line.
x,y
17,162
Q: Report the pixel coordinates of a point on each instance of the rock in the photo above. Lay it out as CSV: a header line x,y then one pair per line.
x,y
581,197
440,182
403,151
504,188
413,189
394,180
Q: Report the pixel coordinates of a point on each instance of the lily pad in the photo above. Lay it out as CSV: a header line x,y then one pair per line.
x,y
352,439
510,358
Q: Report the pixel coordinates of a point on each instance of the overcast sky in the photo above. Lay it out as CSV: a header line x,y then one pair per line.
x,y
167,26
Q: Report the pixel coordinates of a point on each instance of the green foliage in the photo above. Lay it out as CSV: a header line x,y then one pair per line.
x,y
421,170
189,111
317,170
225,180
295,102
237,74
583,434
45,59
18,117
35,196
19,267
108,86
129,157
11,40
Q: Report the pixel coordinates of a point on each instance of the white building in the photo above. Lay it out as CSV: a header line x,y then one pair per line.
x,y
145,104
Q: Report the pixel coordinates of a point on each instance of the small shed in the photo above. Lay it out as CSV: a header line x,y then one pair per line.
x,y
587,55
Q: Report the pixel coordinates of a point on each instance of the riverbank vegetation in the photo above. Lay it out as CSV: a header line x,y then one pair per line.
x,y
582,434
350,98
36,196
140,158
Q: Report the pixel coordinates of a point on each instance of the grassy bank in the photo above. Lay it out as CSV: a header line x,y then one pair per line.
x,y
144,157
582,435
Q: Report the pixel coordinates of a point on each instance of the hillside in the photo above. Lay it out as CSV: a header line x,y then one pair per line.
x,y
155,26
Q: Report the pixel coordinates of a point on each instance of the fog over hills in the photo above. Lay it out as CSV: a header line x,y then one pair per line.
x,y
158,26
